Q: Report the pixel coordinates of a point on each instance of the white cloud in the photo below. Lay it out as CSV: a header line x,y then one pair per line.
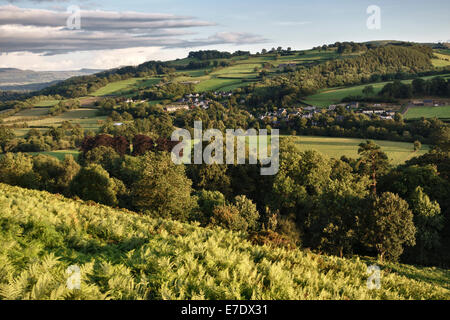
x,y
44,31
102,59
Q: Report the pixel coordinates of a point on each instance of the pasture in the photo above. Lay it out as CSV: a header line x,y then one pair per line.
x,y
46,103
398,152
335,95
119,87
441,112
28,113
86,118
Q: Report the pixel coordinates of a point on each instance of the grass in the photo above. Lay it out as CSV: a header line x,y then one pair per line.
x,y
29,113
85,117
398,152
442,60
46,103
118,87
217,84
334,95
123,255
441,112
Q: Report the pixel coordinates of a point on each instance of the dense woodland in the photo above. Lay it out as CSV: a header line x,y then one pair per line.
x,y
438,87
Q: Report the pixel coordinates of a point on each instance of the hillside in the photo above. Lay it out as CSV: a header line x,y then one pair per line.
x,y
126,256
16,79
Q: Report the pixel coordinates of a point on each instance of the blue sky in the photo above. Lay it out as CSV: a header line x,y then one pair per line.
x,y
224,25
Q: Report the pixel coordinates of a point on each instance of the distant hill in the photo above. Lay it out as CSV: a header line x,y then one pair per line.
x,y
28,80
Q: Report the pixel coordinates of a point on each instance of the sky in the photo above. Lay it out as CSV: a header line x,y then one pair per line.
x,y
53,35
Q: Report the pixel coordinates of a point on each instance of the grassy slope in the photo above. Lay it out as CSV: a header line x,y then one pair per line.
x,y
441,112
334,95
87,118
126,256
118,87
398,152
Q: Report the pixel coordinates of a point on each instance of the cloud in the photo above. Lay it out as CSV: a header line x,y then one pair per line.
x,y
44,31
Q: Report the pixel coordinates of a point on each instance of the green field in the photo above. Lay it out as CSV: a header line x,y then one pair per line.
x,y
398,152
442,60
334,95
441,112
119,87
28,113
85,117
126,256
46,103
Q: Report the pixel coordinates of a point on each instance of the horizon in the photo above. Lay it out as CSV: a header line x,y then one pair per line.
x,y
34,34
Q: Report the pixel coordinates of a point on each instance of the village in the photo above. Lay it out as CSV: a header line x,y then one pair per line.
x,y
383,111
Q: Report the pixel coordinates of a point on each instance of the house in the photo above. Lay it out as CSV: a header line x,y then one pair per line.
x,y
428,103
417,102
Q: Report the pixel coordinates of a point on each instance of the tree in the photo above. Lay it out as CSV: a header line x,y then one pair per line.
x,y
54,175
373,161
211,177
417,145
207,201
442,138
6,135
163,189
93,183
17,170
301,175
247,210
333,218
107,157
228,216
368,90
429,222
389,226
